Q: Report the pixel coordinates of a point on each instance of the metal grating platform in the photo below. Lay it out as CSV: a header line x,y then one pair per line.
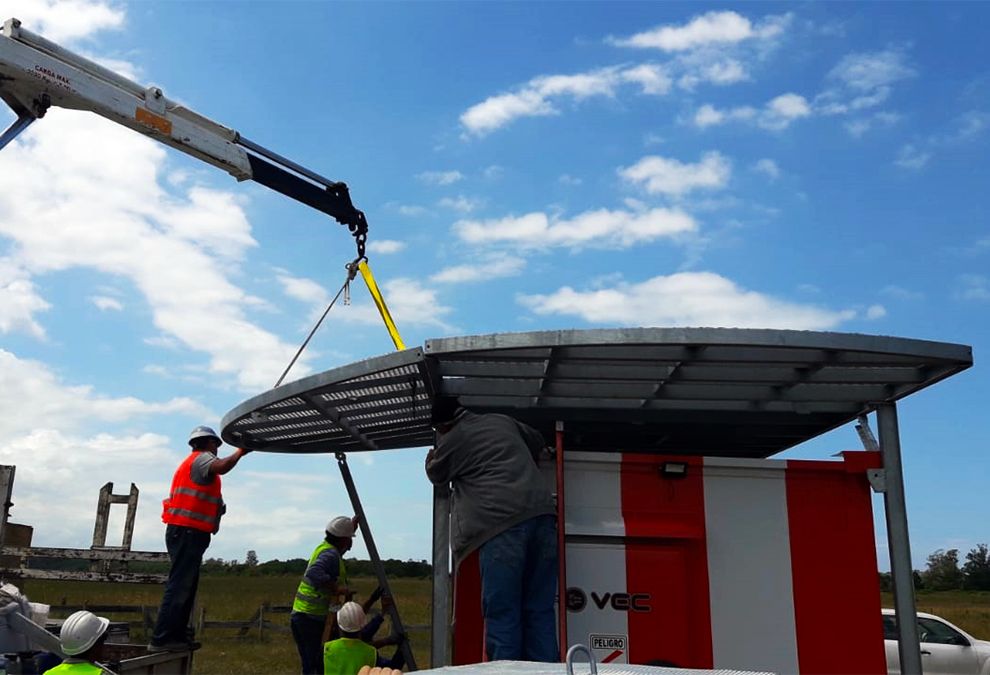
x,y
699,391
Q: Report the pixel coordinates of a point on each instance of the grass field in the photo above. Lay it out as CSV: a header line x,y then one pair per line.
x,y
237,598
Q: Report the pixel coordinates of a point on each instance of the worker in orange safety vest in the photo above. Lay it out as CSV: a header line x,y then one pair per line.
x,y
192,514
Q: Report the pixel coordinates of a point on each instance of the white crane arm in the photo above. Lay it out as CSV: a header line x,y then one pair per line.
x,y
36,74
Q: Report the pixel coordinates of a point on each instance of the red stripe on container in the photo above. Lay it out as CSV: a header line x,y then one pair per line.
x,y
469,627
834,570
666,562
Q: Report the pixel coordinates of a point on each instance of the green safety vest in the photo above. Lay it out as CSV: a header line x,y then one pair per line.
x,y
81,668
310,600
345,656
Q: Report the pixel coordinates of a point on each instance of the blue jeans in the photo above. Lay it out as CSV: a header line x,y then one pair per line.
x,y
518,588
307,631
186,547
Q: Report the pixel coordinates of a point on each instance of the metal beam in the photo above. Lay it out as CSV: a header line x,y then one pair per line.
x,y
109,553
898,543
114,577
369,543
6,490
440,626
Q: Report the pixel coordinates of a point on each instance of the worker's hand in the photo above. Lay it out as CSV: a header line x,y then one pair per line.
x,y
387,603
368,670
355,522
244,451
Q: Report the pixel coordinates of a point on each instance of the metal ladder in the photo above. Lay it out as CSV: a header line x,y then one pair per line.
x,y
369,542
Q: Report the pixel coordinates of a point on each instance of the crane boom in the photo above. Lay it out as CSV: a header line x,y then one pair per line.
x,y
36,74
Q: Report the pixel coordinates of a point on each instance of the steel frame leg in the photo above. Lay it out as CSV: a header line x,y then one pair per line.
x,y
898,544
440,629
22,122
369,542
561,544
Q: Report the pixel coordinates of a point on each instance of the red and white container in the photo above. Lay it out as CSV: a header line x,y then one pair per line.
x,y
721,563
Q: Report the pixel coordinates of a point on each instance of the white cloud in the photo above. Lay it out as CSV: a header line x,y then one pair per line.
x,y
304,290
79,192
860,82
970,124
493,172
974,287
901,293
659,175
777,114
708,50
650,76
413,304
962,129
385,246
911,157
409,302
871,70
105,303
19,301
591,229
411,210
59,475
728,71
684,299
440,177
768,168
859,126
874,312
460,203
162,341
537,97
789,106
711,28
567,179
40,398
64,20
494,267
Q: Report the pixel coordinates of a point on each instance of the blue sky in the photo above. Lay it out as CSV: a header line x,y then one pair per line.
x,y
522,166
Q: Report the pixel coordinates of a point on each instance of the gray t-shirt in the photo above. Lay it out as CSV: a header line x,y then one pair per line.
x,y
201,468
200,472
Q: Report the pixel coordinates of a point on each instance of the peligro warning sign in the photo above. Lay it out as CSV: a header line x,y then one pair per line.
x,y
608,642
609,648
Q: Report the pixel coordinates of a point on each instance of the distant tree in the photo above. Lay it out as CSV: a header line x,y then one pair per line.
x,y
251,559
976,571
919,581
943,573
886,582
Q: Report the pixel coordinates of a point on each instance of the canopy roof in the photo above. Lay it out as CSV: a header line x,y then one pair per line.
x,y
694,391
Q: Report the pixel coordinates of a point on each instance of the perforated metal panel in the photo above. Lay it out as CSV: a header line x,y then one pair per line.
x,y
698,391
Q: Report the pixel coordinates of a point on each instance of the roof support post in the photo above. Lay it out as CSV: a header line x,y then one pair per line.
x,y
6,490
898,544
561,542
440,624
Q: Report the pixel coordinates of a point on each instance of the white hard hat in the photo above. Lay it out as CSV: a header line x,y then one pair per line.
x,y
81,631
341,526
203,432
350,617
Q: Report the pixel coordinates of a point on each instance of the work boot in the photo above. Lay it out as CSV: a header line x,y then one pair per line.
x,y
172,647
